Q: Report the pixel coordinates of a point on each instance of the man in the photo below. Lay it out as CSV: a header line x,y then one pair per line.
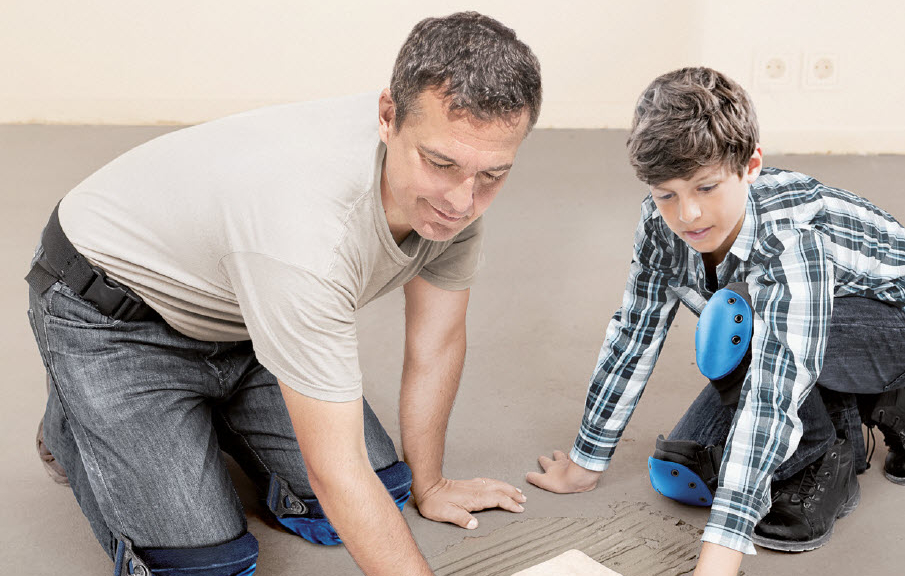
x,y
189,293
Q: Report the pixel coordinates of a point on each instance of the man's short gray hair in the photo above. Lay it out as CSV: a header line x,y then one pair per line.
x,y
474,61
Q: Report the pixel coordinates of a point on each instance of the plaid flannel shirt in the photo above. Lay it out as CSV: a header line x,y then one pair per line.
x,y
801,244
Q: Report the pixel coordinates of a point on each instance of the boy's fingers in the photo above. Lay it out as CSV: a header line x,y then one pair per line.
x,y
559,455
546,481
544,462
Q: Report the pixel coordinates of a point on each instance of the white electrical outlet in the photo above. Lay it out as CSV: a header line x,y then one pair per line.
x,y
821,71
775,70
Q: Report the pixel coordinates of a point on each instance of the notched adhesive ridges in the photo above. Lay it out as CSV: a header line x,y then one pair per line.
x,y
634,541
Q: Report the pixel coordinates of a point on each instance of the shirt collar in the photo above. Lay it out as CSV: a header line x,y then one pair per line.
x,y
744,242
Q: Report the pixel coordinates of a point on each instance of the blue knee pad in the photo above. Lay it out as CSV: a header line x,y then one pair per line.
x,y
685,471
305,517
238,557
723,341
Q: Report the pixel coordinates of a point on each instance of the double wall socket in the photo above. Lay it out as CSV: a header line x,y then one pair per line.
x,y
787,70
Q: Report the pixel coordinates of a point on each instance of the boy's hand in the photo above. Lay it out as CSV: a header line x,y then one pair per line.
x,y
563,476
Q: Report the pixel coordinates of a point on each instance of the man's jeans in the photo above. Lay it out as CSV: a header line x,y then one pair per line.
x,y
865,356
138,415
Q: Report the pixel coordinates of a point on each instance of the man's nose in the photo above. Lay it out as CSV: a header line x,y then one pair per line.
x,y
461,197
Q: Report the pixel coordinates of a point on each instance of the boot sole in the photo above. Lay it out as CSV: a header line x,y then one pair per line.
x,y
895,479
787,546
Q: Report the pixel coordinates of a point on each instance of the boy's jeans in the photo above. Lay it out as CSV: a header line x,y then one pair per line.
x,y
865,356
138,415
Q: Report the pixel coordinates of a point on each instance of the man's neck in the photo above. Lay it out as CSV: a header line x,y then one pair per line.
x,y
399,226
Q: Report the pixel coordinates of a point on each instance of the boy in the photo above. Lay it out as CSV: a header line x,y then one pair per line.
x,y
796,284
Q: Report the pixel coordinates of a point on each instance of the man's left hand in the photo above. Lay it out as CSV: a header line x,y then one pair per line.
x,y
453,500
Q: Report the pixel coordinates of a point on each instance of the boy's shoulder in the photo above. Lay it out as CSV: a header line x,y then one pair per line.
x,y
773,181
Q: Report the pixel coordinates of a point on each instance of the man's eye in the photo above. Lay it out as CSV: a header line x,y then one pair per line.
x,y
493,177
439,166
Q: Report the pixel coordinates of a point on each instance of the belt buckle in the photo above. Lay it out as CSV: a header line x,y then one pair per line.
x,y
111,297
129,308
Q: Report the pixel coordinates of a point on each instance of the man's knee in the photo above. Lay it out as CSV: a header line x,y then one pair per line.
x,y
723,341
685,471
305,517
234,558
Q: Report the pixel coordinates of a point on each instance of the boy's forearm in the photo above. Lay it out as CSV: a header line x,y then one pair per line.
x,y
716,560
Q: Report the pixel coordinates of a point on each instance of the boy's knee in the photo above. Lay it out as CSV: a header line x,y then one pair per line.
x,y
234,558
685,471
723,341
305,517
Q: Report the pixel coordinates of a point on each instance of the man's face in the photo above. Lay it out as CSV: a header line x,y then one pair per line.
x,y
443,168
707,210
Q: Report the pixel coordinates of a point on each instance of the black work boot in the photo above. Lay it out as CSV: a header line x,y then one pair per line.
x,y
894,467
889,415
806,506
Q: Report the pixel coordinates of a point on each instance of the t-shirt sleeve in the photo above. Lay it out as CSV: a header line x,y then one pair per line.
x,y
301,325
457,266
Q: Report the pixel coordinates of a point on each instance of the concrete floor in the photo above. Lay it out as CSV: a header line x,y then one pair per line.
x,y
557,252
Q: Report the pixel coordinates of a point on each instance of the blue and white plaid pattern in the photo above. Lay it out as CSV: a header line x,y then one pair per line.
x,y
801,244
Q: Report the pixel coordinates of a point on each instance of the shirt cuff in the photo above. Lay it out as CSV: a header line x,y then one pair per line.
x,y
593,448
732,519
588,462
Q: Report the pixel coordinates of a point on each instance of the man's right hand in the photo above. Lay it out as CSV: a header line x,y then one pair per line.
x,y
563,476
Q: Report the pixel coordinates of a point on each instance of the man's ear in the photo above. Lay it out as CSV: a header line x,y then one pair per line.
x,y
755,163
386,115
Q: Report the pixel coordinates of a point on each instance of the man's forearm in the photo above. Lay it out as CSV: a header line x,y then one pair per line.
x,y
429,386
367,520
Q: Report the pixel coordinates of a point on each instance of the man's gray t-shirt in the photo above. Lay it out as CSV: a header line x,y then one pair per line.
x,y
266,225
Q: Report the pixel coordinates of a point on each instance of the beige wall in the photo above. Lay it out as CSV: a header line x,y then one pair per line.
x,y
169,61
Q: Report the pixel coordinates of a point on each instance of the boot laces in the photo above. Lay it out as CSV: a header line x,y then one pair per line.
x,y
806,482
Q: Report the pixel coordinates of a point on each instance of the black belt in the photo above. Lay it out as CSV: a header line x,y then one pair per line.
x,y
62,262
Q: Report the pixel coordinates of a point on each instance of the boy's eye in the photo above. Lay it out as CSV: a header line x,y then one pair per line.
x,y
663,197
707,188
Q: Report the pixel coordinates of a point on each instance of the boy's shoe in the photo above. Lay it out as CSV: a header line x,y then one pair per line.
x,y
889,416
806,506
53,468
894,467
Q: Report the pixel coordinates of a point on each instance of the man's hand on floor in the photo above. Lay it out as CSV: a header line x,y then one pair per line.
x,y
452,500
563,476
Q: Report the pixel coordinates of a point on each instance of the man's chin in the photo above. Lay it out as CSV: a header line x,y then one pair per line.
x,y
439,232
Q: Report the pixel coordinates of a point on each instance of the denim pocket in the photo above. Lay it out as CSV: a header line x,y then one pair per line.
x,y
67,307
34,330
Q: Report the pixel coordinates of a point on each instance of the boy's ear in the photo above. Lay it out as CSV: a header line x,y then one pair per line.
x,y
755,163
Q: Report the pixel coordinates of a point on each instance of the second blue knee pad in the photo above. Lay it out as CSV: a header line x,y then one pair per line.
x,y
305,517
685,471
235,558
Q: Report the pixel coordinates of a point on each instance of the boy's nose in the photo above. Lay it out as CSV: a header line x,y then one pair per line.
x,y
689,211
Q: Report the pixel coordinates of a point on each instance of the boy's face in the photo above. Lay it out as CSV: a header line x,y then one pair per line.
x,y
707,210
443,168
